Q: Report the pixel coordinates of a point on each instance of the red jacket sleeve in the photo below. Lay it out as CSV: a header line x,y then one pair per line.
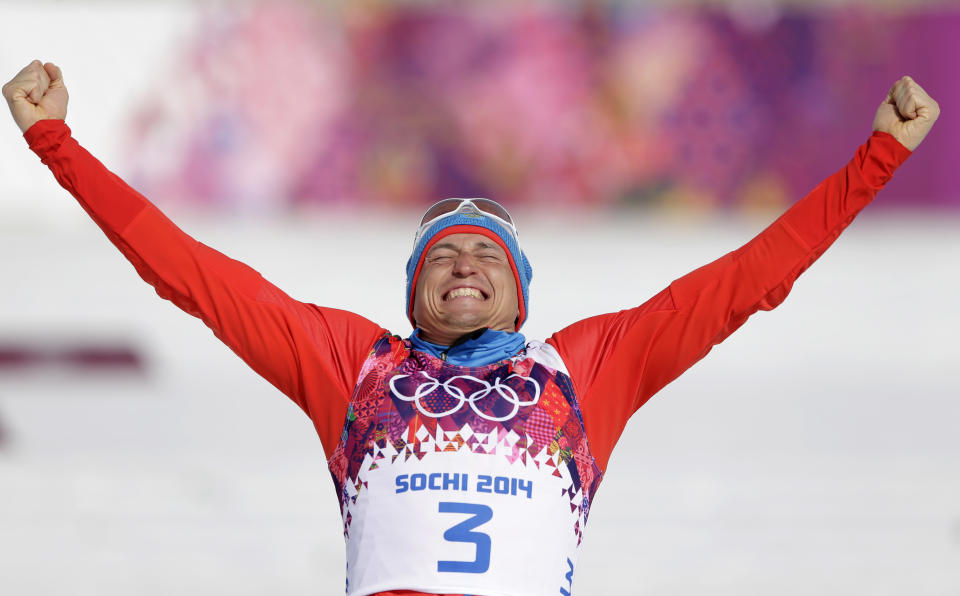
x,y
618,361
310,353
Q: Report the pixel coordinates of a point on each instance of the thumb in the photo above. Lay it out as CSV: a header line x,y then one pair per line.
x,y
56,75
887,115
40,89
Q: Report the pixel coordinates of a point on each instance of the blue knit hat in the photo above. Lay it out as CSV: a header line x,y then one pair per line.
x,y
472,223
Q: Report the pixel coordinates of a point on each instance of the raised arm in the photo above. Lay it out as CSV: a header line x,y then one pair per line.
x,y
618,361
312,354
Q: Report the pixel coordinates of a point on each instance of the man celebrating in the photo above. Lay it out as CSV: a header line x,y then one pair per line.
x,y
465,456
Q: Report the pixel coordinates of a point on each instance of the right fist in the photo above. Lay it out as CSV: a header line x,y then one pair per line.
x,y
36,93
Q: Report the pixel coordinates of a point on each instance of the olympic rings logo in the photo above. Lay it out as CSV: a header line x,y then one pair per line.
x,y
505,392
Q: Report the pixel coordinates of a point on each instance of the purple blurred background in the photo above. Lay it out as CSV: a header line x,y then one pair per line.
x,y
575,104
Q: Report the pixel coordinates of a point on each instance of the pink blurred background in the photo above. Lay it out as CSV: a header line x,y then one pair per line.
x,y
576,104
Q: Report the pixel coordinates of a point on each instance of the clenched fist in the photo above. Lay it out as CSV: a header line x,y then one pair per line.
x,y
907,113
36,93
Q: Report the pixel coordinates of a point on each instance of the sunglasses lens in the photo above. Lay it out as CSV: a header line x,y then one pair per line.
x,y
493,208
450,205
442,208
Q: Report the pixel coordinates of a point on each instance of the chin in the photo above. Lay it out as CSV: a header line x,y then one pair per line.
x,y
467,321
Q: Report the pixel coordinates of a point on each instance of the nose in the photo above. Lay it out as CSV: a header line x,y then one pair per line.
x,y
464,266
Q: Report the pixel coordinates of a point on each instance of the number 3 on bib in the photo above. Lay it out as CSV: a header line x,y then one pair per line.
x,y
463,532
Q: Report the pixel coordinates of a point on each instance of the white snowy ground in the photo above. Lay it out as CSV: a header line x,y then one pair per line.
x,y
816,451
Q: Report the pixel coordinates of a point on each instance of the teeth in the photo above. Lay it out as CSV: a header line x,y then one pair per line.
x,y
471,292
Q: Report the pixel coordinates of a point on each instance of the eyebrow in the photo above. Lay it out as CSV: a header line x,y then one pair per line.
x,y
479,244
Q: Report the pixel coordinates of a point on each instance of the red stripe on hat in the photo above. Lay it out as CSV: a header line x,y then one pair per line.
x,y
468,229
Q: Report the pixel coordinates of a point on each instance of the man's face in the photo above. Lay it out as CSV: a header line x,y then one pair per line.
x,y
465,283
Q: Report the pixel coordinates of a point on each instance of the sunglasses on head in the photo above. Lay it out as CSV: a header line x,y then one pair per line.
x,y
481,207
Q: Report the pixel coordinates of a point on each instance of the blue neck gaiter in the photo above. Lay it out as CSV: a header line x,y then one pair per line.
x,y
479,349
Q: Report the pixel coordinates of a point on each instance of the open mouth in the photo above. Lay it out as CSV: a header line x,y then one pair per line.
x,y
465,293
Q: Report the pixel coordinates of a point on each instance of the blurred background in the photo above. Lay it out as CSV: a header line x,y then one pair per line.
x,y
816,451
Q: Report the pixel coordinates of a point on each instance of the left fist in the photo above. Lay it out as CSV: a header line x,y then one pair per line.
x,y
907,113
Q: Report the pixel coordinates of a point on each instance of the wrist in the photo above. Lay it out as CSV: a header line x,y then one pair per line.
x,y
46,134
